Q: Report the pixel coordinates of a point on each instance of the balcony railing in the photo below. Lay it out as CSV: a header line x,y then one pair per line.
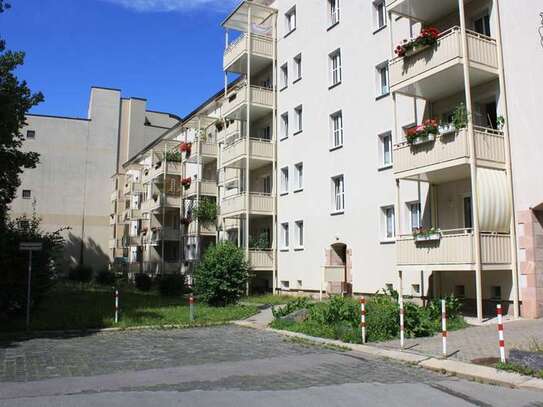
x,y
167,201
131,188
206,229
455,248
237,98
261,46
129,241
172,168
449,150
208,188
156,267
132,214
258,203
448,52
261,259
260,149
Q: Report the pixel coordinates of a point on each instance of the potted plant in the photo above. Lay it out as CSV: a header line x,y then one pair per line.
x,y
186,182
173,156
206,211
155,196
219,124
422,133
427,38
424,234
185,148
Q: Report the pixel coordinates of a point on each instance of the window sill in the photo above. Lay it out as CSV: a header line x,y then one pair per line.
x,y
296,80
299,249
377,30
384,95
334,85
384,167
284,249
283,193
290,32
298,190
387,241
283,138
332,26
297,132
336,147
283,88
336,213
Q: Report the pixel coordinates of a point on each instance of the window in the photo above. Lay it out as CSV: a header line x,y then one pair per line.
x,y
379,14
388,222
24,224
482,24
385,149
30,134
382,79
290,20
333,12
299,233
264,133
338,194
267,181
468,218
335,67
299,170
297,67
496,292
284,180
298,118
336,129
284,236
414,215
415,289
27,194
284,76
284,126
285,284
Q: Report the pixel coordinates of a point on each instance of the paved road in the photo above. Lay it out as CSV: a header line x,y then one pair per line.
x,y
227,366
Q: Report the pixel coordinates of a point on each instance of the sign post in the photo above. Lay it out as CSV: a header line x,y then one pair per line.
x,y
30,247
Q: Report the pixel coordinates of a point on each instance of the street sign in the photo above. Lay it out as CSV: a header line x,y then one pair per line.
x,y
31,246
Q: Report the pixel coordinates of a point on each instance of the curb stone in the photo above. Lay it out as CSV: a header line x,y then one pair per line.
x,y
483,374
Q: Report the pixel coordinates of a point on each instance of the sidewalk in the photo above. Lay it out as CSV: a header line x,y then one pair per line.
x,y
476,342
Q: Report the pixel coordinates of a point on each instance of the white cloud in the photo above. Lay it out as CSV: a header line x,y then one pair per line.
x,y
173,5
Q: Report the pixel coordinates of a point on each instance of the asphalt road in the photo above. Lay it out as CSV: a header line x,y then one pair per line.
x,y
224,366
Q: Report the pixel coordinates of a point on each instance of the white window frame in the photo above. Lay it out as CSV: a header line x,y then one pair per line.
x,y
336,130
388,223
285,236
284,126
333,12
297,67
414,209
290,20
377,6
386,158
299,229
299,176
383,86
338,194
335,70
298,119
284,181
284,76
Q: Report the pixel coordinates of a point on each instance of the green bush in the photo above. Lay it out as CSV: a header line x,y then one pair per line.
x,y
290,307
81,273
206,211
105,277
143,282
171,285
222,275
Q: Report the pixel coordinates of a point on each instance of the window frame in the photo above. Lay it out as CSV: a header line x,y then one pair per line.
x,y
290,21
377,6
385,139
299,176
382,90
285,183
333,13
385,235
336,133
285,240
297,67
338,194
284,76
299,229
284,126
335,70
414,205
298,119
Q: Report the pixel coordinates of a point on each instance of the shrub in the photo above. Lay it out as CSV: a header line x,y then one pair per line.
x,y
81,273
170,285
290,307
105,277
143,282
222,275
206,211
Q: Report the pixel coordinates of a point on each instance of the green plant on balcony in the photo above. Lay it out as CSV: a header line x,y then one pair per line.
x,y
423,132
426,234
186,182
173,156
261,242
427,38
219,124
206,211
460,117
500,122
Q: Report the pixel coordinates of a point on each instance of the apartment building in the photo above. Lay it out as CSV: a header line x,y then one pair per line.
x,y
78,157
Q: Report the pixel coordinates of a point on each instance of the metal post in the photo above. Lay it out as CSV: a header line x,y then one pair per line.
x,y
116,306
444,327
28,290
191,308
363,318
400,302
501,340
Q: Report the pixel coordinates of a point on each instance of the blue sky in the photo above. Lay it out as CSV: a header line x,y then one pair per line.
x,y
168,51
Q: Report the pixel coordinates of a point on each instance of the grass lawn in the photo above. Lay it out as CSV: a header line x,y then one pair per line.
x,y
268,299
82,306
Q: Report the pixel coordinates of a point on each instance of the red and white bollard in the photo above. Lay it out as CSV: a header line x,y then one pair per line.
x,y
116,306
500,333
444,327
191,308
363,318
402,333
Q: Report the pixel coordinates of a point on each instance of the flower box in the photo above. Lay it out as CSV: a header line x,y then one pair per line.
x,y
415,50
427,38
432,237
447,128
423,139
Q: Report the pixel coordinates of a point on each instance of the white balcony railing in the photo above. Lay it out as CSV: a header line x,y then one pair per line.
x,y
261,46
261,259
172,168
208,188
258,204
260,149
237,98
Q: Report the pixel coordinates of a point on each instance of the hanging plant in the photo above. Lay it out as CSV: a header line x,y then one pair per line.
x,y
186,182
219,124
174,156
428,37
185,148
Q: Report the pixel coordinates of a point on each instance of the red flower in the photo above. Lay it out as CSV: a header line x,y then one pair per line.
x,y
185,147
186,181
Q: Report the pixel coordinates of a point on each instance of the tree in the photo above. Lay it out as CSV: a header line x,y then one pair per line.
x,y
16,99
221,277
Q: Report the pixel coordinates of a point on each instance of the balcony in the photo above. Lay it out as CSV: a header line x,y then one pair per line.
x,y
205,229
228,176
261,259
169,234
424,10
235,56
130,241
259,204
207,188
436,72
132,188
235,106
113,219
259,150
132,214
161,201
447,157
203,153
455,251
171,168
114,196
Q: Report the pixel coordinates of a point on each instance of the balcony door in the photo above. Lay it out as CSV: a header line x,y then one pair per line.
x,y
468,215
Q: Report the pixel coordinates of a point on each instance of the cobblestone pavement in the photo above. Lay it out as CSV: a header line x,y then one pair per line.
x,y
477,342
228,365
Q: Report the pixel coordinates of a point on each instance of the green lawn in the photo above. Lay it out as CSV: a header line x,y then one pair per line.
x,y
79,306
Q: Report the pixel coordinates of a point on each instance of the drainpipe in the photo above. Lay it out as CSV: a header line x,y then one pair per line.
x,y
473,163
274,169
